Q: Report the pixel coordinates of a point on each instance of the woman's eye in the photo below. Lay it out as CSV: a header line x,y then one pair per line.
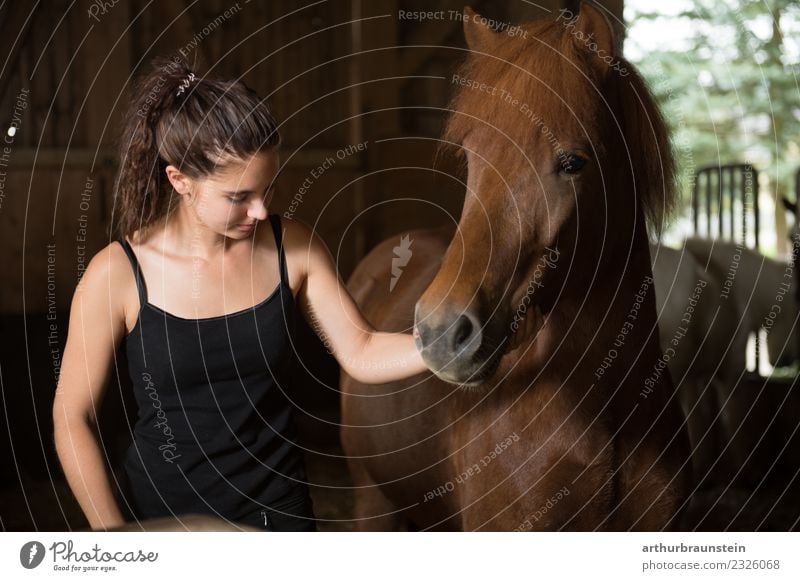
x,y
237,201
571,164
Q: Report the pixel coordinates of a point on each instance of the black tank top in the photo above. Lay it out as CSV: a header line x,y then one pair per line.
x,y
215,431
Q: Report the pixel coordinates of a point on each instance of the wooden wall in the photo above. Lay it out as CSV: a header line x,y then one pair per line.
x,y
77,66
73,64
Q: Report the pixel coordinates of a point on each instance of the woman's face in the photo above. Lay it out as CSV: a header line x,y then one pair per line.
x,y
234,198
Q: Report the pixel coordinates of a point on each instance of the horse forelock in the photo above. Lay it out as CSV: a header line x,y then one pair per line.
x,y
522,67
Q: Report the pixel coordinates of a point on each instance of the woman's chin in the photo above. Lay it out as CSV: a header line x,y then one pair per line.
x,y
239,232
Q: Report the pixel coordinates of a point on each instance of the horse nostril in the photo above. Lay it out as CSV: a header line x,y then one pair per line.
x,y
462,331
465,336
448,337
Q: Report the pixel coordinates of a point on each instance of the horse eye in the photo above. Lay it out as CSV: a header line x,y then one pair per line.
x,y
571,164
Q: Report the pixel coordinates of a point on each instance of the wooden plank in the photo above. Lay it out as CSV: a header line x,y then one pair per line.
x,y
519,12
439,196
185,32
107,60
62,117
380,31
76,77
430,32
55,157
17,19
359,245
32,224
36,132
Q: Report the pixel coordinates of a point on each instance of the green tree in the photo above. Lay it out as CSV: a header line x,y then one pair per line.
x,y
731,91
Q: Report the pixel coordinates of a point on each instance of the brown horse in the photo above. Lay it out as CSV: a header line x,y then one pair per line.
x,y
549,408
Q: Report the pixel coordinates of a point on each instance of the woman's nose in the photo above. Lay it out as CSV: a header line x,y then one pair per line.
x,y
257,210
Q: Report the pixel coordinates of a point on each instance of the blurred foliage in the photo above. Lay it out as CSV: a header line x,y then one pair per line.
x,y
732,94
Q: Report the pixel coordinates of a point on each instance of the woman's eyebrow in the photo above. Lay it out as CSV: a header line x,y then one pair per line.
x,y
248,192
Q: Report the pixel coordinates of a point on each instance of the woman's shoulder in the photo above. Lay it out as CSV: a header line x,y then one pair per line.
x,y
108,260
106,293
302,245
109,271
296,233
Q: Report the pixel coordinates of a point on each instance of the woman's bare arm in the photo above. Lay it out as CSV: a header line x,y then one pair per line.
x,y
367,355
96,326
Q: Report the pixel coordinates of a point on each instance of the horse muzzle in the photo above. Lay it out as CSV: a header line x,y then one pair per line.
x,y
456,345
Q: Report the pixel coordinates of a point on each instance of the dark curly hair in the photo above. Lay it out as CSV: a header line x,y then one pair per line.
x,y
179,118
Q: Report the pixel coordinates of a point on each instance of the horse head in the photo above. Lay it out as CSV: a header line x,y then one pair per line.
x,y
567,155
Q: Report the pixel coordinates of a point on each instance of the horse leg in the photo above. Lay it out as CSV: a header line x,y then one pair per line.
x,y
373,511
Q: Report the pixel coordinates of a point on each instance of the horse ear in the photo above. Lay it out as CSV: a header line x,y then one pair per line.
x,y
593,31
791,206
478,33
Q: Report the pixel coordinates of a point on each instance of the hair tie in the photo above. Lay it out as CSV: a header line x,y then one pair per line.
x,y
185,84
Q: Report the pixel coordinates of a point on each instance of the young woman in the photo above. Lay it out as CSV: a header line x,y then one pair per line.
x,y
202,291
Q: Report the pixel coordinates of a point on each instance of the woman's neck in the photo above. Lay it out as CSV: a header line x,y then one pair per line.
x,y
184,235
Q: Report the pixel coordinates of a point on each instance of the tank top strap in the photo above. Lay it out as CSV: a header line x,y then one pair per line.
x,y
275,220
137,271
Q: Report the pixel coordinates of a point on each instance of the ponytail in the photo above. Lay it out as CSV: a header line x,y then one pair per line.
x,y
178,118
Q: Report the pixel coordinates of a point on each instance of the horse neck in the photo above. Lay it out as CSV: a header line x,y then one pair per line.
x,y
595,318
623,282
621,266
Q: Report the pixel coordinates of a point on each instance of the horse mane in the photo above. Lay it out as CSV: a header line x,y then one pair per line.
x,y
648,140
644,129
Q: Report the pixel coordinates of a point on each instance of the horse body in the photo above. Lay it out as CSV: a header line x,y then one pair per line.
x,y
762,289
763,292
542,411
436,463
704,349
370,431
695,319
